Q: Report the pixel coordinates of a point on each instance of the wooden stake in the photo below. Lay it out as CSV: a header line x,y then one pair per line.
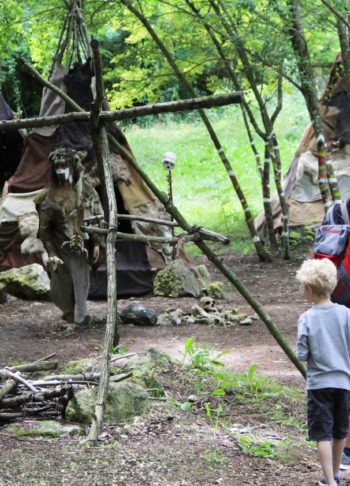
x,y
100,144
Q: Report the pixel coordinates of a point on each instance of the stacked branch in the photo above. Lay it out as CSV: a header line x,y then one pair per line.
x,y
22,395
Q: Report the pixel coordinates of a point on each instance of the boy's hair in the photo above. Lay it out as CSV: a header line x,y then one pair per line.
x,y
319,275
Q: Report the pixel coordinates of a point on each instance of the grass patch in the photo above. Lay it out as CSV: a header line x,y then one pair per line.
x,y
202,189
219,392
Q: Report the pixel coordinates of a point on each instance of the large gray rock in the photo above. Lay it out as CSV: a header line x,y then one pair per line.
x,y
176,280
29,282
137,314
124,401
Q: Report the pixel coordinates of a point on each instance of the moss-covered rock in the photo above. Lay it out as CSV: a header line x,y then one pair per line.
x,y
152,360
215,290
203,277
45,428
83,365
146,366
124,401
176,280
28,282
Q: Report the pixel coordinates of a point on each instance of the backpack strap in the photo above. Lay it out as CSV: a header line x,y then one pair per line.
x,y
329,218
345,213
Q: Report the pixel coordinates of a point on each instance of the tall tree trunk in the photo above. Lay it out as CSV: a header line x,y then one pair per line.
x,y
267,198
246,113
344,41
308,86
268,134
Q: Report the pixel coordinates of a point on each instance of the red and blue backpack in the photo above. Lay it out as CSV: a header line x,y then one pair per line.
x,y
331,241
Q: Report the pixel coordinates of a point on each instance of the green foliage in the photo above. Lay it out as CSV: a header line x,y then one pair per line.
x,y
280,417
256,449
119,349
199,357
214,415
214,457
135,69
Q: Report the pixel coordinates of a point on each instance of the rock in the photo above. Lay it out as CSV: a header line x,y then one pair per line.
x,y
147,362
203,277
192,398
172,318
124,401
215,290
83,365
45,428
29,282
165,320
139,315
246,322
176,280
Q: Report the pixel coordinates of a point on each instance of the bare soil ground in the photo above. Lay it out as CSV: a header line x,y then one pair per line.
x,y
167,446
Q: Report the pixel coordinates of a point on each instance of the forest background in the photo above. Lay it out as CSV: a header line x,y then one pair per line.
x,y
217,46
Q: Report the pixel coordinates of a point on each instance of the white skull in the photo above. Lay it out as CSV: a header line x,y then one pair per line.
x,y
208,304
169,160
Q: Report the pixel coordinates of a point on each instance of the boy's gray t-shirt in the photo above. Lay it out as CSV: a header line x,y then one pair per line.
x,y
324,342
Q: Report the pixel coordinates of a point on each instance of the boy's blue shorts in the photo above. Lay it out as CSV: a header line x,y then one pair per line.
x,y
328,413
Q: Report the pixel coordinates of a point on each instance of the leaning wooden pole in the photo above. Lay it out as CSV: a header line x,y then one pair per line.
x,y
229,274
100,143
233,279
255,238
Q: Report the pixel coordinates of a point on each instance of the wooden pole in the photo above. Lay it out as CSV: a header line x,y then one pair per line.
x,y
200,234
229,274
100,142
118,115
255,238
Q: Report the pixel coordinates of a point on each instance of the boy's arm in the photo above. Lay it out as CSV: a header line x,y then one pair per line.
x,y
303,350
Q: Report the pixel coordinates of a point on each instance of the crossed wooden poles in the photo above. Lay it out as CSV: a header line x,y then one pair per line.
x,y
101,140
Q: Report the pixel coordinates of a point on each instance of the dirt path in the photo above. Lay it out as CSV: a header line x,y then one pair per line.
x,y
30,330
159,450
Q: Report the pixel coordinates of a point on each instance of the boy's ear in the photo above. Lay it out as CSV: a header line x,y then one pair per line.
x,y
308,288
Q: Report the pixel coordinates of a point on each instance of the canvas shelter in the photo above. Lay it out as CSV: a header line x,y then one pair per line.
x,y
300,185
136,260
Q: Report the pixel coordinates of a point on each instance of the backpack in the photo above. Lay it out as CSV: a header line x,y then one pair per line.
x,y
331,241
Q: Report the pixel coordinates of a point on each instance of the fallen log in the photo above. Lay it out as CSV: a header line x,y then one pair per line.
x,y
35,366
15,376
79,377
9,416
7,388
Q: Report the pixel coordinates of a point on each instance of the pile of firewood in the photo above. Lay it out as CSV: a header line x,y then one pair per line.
x,y
22,395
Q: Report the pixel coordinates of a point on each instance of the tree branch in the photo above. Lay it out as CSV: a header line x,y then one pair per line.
x,y
125,114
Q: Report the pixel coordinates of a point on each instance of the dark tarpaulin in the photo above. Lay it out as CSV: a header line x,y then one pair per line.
x,y
10,248
11,144
33,170
76,135
342,129
134,275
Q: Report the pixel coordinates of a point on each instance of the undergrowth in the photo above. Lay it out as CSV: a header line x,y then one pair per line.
x,y
204,386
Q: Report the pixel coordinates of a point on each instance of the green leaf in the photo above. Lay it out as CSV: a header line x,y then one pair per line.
x,y
186,406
